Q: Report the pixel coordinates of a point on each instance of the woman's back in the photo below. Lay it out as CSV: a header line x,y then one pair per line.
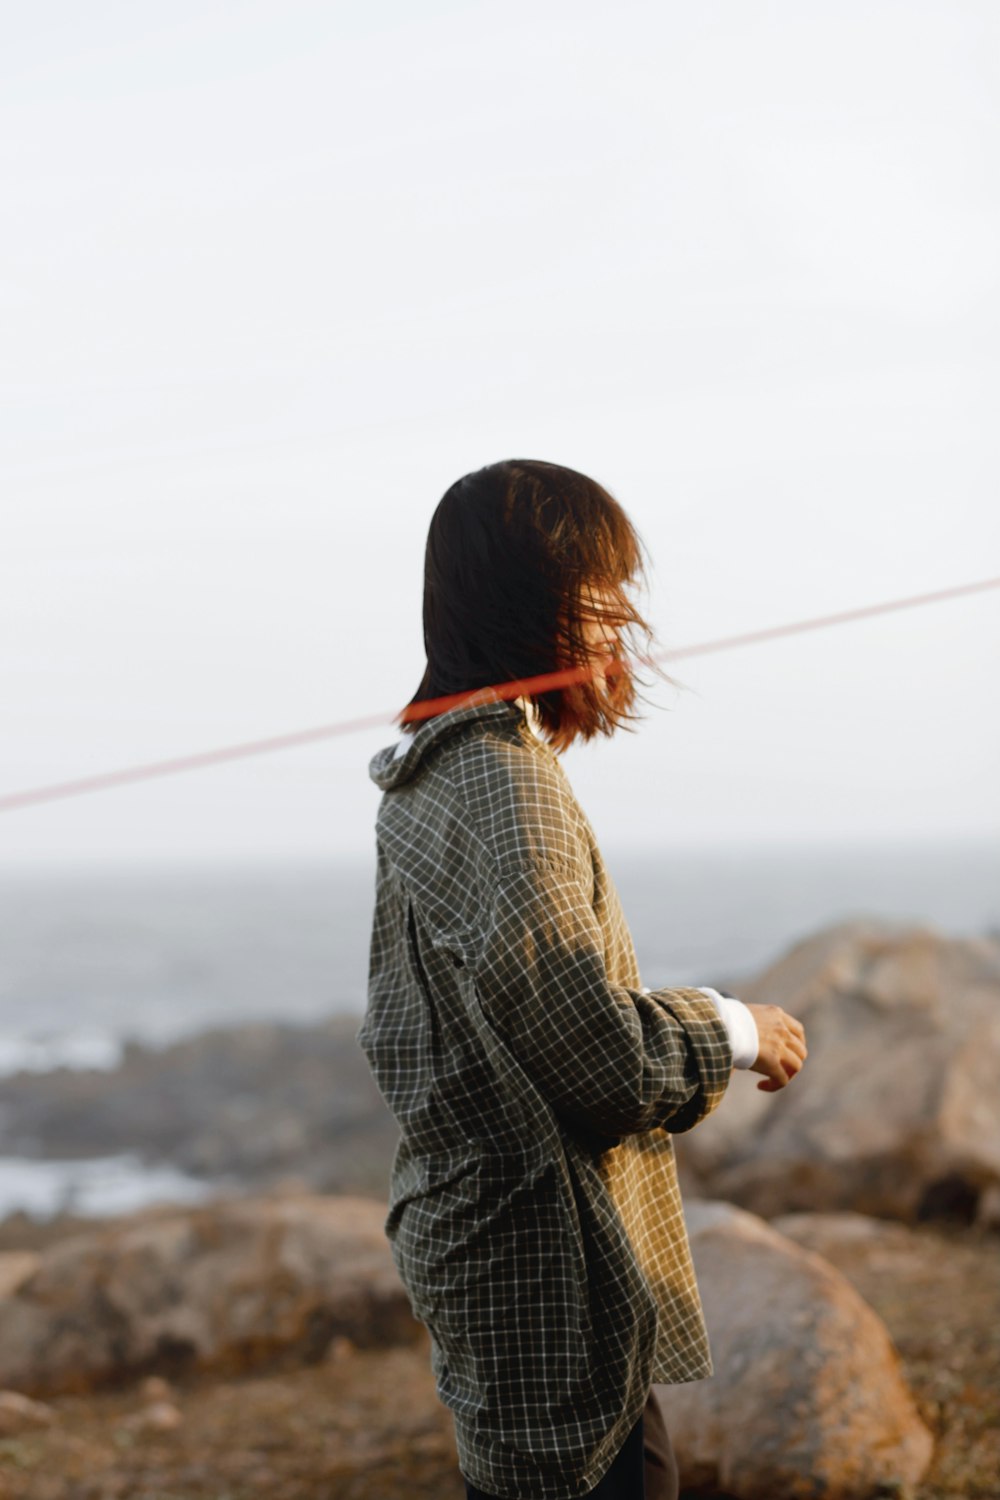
x,y
534,1213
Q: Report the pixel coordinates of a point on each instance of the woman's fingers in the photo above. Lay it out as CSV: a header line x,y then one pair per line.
x,y
782,1049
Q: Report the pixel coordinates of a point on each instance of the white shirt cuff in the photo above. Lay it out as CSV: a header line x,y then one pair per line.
x,y
739,1022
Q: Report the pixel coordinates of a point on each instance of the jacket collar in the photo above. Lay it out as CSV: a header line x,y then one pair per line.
x,y
388,770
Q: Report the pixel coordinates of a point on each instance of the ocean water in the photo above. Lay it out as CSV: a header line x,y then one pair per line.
x,y
91,957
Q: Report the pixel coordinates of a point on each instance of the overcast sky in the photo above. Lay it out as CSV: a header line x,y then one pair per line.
x,y
275,274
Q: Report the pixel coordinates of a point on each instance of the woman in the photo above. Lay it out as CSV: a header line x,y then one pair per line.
x,y
534,1212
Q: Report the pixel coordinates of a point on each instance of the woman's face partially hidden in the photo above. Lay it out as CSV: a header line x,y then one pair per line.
x,y
600,634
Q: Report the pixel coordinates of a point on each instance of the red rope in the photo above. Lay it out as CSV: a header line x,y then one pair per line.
x,y
433,706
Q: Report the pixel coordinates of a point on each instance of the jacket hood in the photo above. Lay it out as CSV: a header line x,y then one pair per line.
x,y
389,770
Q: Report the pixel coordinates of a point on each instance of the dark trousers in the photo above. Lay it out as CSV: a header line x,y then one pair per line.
x,y
644,1469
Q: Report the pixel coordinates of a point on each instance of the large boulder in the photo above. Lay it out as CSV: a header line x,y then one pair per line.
x,y
230,1285
808,1400
896,1110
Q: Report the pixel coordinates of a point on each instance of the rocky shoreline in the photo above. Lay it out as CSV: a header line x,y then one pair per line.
x,y
248,1107
260,1342
311,1383
897,1113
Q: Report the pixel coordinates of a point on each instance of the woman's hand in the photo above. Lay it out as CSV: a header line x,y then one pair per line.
x,y
782,1046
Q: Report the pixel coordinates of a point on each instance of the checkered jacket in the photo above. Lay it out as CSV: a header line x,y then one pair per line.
x,y
534,1212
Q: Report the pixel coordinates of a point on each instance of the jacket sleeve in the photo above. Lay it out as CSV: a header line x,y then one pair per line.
x,y
610,1059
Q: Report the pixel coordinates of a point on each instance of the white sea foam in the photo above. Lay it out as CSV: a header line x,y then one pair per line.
x,y
68,1049
93,1188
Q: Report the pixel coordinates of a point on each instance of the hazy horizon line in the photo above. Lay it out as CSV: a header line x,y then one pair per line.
x,y
308,861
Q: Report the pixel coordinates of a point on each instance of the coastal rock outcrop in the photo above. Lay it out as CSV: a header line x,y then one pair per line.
x,y
896,1111
232,1285
808,1400
246,1106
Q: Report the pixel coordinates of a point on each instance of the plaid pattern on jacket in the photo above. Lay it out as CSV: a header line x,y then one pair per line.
x,y
534,1212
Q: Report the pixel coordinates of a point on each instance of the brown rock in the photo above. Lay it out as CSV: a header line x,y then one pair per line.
x,y
896,1110
155,1388
887,1246
808,1399
18,1413
988,1210
16,1266
232,1285
158,1416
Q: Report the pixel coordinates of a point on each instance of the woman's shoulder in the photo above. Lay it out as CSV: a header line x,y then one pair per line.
x,y
515,793
491,799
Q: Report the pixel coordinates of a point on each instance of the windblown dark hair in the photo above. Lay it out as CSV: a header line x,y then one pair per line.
x,y
513,553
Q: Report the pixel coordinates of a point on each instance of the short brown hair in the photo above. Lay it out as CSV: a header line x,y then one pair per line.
x,y
513,552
